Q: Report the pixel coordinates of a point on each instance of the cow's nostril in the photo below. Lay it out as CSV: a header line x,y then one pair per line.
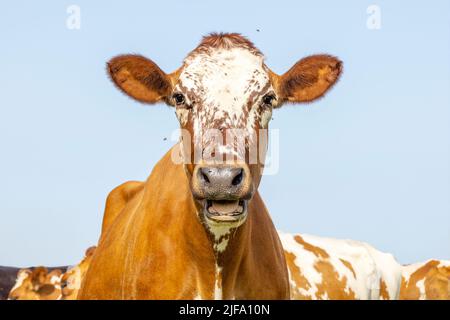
x,y
204,175
238,178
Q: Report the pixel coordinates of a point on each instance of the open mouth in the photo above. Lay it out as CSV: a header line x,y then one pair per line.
x,y
225,210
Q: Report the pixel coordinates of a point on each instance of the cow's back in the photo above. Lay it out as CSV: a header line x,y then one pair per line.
x,y
325,268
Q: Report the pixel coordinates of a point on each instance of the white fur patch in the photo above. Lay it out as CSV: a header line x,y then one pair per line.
x,y
182,115
223,81
218,294
20,279
369,265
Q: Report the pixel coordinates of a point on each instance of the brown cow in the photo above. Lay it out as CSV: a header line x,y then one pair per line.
x,y
197,228
37,284
72,278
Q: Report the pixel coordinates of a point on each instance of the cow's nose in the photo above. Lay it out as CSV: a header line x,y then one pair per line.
x,y
222,177
222,182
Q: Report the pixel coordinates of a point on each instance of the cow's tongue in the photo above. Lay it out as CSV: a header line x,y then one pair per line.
x,y
224,207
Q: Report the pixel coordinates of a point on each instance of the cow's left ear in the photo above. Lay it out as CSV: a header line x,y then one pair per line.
x,y
308,79
140,78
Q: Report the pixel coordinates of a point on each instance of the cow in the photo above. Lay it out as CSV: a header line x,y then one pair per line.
x,y
429,280
325,268
198,228
54,283
72,278
37,283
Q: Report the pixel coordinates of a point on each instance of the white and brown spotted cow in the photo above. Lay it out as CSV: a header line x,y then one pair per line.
x,y
41,283
325,268
37,284
429,280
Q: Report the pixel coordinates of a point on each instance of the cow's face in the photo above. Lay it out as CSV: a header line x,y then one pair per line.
x,y
71,279
223,97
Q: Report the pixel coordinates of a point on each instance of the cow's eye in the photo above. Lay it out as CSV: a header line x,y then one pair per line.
x,y
268,99
178,98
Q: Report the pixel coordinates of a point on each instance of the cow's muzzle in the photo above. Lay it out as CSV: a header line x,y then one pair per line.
x,y
224,190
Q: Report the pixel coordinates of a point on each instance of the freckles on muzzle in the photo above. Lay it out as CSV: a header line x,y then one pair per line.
x,y
223,189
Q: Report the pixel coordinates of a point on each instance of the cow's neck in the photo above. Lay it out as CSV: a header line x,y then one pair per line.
x,y
230,247
156,247
223,254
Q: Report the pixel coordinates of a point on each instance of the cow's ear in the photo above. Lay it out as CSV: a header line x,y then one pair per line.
x,y
308,79
140,78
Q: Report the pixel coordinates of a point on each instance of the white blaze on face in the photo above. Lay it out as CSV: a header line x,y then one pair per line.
x,y
224,86
20,279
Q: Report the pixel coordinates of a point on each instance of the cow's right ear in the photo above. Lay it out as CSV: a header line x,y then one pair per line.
x,y
140,78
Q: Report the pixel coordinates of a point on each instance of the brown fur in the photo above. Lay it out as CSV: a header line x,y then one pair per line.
x,y
332,286
225,41
37,285
117,199
301,282
309,78
384,294
159,236
139,77
319,252
436,282
72,278
349,266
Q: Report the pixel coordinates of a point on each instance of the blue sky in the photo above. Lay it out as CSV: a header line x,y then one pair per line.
x,y
369,162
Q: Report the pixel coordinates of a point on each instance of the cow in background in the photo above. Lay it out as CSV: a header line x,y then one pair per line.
x,y
324,268
72,278
37,284
429,280
41,283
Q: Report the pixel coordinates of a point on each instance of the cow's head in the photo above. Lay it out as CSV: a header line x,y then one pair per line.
x,y
72,278
223,96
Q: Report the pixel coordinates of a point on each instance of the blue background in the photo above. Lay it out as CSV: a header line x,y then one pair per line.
x,y
369,162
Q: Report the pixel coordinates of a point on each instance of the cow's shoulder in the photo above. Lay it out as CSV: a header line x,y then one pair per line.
x,y
118,198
